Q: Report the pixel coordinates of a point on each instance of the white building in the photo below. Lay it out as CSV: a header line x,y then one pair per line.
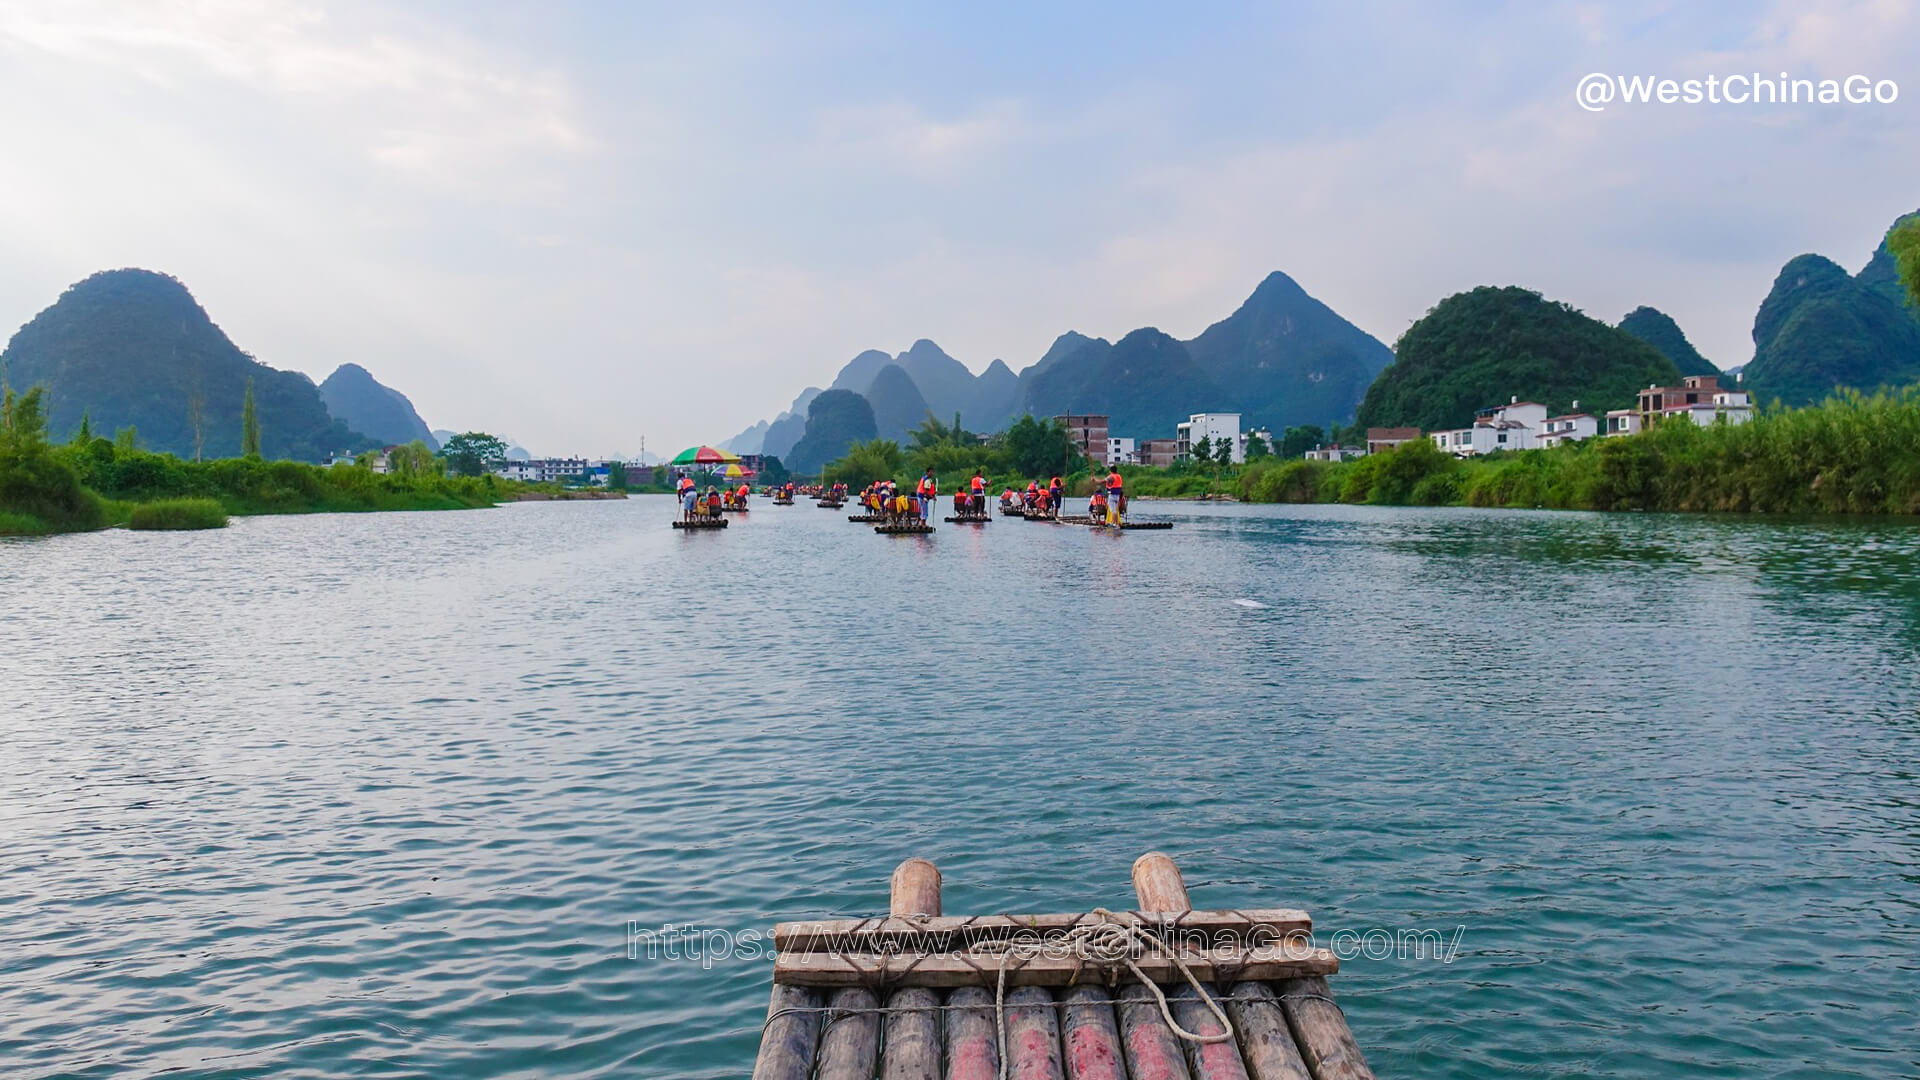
x,y
1572,427
1217,429
1335,454
1121,452
1513,426
547,470
1622,422
1247,438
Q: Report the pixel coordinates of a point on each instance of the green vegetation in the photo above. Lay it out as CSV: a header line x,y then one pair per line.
x,y
92,483
133,349
40,492
473,453
177,514
1482,348
1854,454
1657,328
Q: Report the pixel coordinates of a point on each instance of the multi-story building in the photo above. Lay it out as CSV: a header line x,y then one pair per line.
x,y
1247,437
1622,421
1382,439
1699,398
1089,433
1216,429
1122,451
1571,427
1158,453
548,470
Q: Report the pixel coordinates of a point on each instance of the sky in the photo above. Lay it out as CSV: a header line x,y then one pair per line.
x,y
584,224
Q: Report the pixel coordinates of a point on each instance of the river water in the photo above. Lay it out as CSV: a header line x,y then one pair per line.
x,y
379,795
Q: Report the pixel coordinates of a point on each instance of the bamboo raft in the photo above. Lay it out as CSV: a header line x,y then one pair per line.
x,y
867,517
702,523
830,504
899,528
778,501
921,996
1130,525
968,519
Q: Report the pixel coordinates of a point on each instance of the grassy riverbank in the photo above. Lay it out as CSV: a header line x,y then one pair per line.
x,y
92,484
1852,454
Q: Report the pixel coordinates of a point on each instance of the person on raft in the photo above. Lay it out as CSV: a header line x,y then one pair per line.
x,y
979,486
713,501
1054,491
1116,497
1097,506
688,499
927,490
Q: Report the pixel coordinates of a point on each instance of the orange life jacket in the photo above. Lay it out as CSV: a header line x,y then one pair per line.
x,y
1114,480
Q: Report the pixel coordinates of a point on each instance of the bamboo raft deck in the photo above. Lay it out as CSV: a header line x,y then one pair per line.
x,y
868,518
830,504
968,519
901,528
702,523
1131,525
920,996
778,501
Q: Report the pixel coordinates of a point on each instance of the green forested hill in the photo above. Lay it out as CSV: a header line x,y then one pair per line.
x,y
131,348
835,420
1657,328
1487,346
1820,329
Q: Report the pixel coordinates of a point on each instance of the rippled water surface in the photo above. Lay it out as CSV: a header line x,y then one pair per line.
x,y
378,795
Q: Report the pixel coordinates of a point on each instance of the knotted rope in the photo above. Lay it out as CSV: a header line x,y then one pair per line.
x,y
1114,938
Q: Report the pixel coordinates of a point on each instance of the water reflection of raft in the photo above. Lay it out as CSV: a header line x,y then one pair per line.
x,y
921,993
702,523
969,519
902,527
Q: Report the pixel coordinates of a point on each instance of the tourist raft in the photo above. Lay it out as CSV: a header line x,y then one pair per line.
x,y
1161,993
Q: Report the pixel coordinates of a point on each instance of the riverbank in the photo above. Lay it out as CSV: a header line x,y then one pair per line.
x,y
99,483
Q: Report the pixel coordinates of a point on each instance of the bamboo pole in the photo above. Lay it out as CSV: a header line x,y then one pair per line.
x,y
913,1027
916,889
973,1048
787,1043
913,1035
1320,1030
1264,1037
1090,1036
849,1046
1033,1035
1157,882
1153,1051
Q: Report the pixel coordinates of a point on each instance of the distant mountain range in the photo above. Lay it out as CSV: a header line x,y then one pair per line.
x,y
1282,358
1657,328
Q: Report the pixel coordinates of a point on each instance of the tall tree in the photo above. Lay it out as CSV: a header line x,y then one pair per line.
x,y
84,434
249,425
1203,450
1297,440
616,476
473,453
1905,245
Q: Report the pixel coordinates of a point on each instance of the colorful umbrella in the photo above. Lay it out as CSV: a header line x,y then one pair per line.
x,y
733,470
703,455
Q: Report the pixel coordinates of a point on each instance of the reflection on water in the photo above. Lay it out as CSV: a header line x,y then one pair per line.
x,y
334,795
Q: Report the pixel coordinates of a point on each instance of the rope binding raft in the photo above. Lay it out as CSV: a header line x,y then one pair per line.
x,y
1071,994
